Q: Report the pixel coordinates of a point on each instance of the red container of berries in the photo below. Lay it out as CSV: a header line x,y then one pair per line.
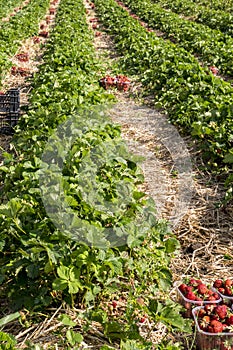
x,y
193,292
214,327
225,289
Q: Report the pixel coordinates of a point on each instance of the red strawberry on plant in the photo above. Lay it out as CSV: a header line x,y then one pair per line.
x,y
114,304
214,70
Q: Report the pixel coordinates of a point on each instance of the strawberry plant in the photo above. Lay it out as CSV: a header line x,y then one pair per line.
x,y
196,100
12,33
211,46
214,18
7,7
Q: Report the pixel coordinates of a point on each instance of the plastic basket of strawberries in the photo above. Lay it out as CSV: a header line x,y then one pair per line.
x,y
193,292
214,327
225,289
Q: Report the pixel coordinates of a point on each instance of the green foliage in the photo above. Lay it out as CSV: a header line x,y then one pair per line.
x,y
21,26
7,7
212,46
214,14
7,341
196,101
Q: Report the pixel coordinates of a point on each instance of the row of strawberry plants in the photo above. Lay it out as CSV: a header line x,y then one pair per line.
x,y
212,46
215,19
40,264
216,4
21,26
8,6
197,101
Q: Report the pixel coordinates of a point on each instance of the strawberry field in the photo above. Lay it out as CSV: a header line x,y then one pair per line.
x,y
86,259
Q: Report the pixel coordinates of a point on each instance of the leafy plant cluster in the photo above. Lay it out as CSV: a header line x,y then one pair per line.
x,y
215,19
7,7
41,264
217,5
195,99
212,46
21,26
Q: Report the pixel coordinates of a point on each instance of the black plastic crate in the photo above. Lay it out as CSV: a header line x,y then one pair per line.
x,y
9,110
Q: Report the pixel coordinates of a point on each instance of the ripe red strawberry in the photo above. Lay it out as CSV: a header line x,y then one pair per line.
x,y
228,282
211,298
194,282
201,313
221,311
209,329
36,39
202,288
216,295
228,291
209,308
189,289
191,296
204,322
183,288
221,290
114,304
199,299
218,283
217,326
214,70
229,320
